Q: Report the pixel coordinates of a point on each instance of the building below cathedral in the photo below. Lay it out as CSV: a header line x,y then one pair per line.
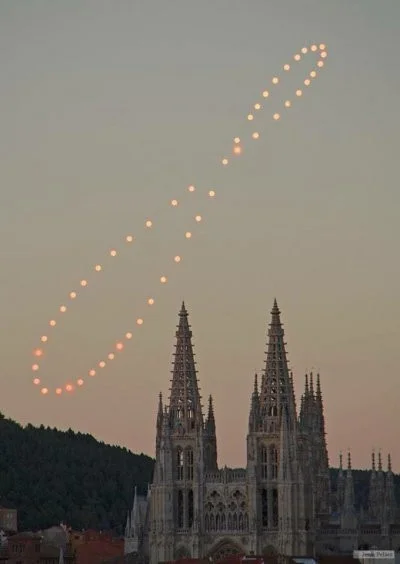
x,y
282,503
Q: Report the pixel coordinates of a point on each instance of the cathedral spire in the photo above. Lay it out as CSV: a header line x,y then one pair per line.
x,y
184,407
276,390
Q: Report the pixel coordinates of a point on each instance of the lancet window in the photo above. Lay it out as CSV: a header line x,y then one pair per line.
x,y
189,464
180,509
273,456
190,508
275,510
179,463
264,463
264,508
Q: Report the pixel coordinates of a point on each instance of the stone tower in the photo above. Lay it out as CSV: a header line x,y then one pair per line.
x,y
185,449
276,487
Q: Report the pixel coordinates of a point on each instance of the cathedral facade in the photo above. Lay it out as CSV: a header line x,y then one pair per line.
x,y
282,502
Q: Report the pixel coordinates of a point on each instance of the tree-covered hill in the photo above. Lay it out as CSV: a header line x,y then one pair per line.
x,y
52,476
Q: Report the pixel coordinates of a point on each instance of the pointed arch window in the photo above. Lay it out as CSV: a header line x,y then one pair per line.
x,y
273,456
264,508
190,508
180,509
275,510
264,463
179,463
189,464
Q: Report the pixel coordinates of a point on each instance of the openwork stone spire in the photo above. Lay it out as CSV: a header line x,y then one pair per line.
x,y
276,391
184,407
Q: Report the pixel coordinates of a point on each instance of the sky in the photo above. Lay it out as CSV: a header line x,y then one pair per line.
x,y
110,110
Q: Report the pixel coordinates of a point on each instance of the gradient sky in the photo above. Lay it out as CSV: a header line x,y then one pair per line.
x,y
109,109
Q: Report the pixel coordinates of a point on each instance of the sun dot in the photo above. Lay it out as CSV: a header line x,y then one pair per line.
x,y
322,47
314,48
265,94
102,364
275,80
191,188
307,82
250,117
80,382
313,74
59,391
69,387
52,323
304,50
36,381
113,253
72,295
129,238
92,372
324,54
163,279
150,301
139,321
288,103
149,223
211,193
111,356
286,67
83,283
177,258
63,309
174,203
299,93
38,352
276,117
128,335
198,218
188,235
236,140
297,57
35,367
44,338
119,346
224,162
97,267
255,135
237,149
258,106
320,64
44,391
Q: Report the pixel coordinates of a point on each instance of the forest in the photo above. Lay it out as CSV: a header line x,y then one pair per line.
x,y
53,476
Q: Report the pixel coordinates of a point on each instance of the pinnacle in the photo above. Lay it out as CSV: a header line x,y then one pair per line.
x,y
255,384
275,313
183,311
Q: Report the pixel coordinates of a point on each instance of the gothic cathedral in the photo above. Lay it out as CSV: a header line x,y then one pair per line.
x,y
281,503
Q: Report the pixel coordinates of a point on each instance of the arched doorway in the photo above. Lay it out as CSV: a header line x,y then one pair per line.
x,y
225,549
182,553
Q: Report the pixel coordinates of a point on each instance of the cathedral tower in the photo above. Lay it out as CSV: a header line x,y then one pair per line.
x,y
184,445
276,483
